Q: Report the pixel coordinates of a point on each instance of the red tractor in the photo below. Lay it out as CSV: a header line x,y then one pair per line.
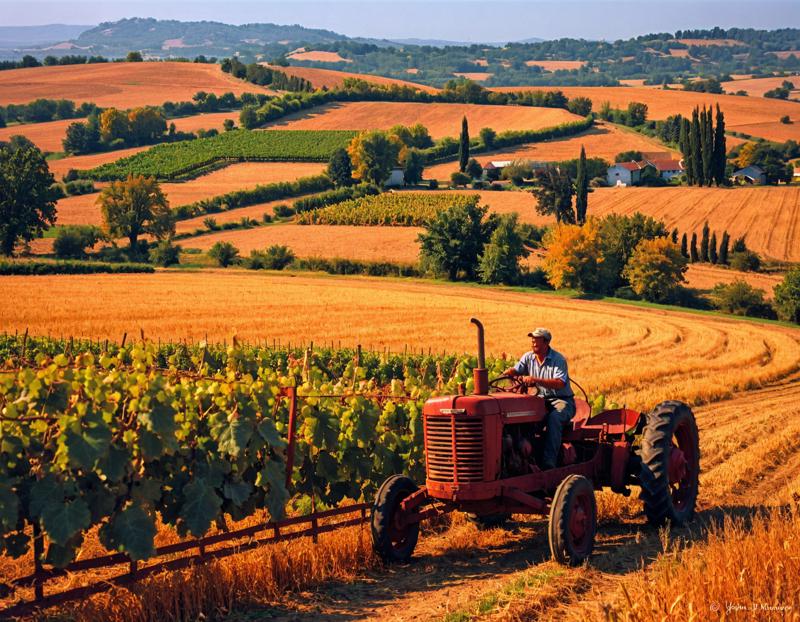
x,y
480,454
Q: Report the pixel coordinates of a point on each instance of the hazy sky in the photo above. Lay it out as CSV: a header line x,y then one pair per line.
x,y
485,20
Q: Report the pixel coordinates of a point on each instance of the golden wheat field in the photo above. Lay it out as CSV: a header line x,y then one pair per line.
x,y
440,119
332,78
123,85
319,56
351,242
556,65
756,87
663,103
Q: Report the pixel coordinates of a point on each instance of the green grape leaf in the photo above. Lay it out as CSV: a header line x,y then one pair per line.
x,y
63,519
146,491
9,508
200,506
237,491
84,450
60,555
161,421
115,463
44,492
327,467
234,436
16,544
132,531
150,445
270,434
272,478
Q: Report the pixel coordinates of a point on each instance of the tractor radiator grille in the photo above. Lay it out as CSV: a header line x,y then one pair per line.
x,y
468,448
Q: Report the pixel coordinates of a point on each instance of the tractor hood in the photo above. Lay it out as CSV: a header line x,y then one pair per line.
x,y
510,405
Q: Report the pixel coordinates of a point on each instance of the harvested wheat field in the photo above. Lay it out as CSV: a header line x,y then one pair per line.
x,y
475,76
440,119
706,276
397,244
556,65
699,358
122,85
756,87
661,103
772,130
711,42
83,209
320,57
331,78
604,140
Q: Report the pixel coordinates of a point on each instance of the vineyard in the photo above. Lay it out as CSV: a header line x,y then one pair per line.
x,y
174,160
399,209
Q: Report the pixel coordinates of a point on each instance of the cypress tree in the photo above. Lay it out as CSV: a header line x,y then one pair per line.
x,y
675,235
685,151
581,189
694,149
708,148
723,248
684,246
720,149
693,256
704,243
463,146
712,248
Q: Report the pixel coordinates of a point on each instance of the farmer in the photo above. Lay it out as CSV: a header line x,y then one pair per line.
x,y
546,369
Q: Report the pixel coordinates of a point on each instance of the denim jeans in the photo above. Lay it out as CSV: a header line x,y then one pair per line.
x,y
559,412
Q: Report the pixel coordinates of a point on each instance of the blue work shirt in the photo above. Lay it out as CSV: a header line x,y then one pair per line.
x,y
553,366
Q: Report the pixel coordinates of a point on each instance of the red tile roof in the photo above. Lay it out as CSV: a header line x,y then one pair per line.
x,y
666,165
631,166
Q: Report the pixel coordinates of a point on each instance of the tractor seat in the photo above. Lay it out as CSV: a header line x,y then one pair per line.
x,y
582,412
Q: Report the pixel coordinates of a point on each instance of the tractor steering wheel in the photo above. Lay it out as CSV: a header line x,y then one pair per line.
x,y
516,384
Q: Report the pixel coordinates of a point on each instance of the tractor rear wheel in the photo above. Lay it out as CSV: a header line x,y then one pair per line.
x,y
392,542
573,521
670,458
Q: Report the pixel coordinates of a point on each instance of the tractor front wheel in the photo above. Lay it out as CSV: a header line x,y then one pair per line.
x,y
670,458
573,521
391,540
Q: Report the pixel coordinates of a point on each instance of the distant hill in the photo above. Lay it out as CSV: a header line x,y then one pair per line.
x,y
27,36
441,43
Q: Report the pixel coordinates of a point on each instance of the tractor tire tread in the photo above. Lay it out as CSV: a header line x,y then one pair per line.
x,y
393,490
558,525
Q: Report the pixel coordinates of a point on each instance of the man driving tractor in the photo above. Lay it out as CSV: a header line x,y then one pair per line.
x,y
546,369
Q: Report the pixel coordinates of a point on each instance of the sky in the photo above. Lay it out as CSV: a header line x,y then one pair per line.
x,y
455,20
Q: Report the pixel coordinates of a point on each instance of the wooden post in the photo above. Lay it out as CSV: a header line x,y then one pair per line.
x,y
124,337
38,551
291,395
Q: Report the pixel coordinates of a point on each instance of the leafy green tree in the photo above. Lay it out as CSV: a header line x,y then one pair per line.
x,y
228,125
165,253
656,269
499,262
463,146
474,169
72,241
340,168
787,297
81,138
134,57
455,239
413,166
580,105
457,178
581,189
248,117
740,298
27,205
134,207
554,194
619,237
224,253
745,261
146,124
637,113
374,154
488,136
276,257
631,155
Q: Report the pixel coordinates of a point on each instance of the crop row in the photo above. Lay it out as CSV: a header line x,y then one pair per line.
x,y
403,209
174,160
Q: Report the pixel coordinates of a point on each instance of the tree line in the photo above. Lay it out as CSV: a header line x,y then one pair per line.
x,y
702,144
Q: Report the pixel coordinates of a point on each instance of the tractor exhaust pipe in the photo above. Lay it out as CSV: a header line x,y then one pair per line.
x,y
480,374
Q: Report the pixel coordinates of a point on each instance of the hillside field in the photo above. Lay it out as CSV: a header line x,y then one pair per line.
x,y
440,119
756,87
739,111
332,78
123,85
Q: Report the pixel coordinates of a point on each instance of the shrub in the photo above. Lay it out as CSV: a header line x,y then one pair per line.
x,y
433,184
283,211
655,270
276,257
745,261
69,267
785,119
78,187
72,241
71,175
210,223
740,298
165,253
787,297
224,253
459,179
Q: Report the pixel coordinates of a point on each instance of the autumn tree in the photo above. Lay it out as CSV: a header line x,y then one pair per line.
x,y
134,207
146,124
575,257
373,154
114,124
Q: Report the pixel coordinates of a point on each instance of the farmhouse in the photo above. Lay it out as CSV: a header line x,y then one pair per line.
x,y
666,168
624,174
750,175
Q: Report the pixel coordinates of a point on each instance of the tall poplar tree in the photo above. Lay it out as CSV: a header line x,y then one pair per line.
x,y
720,149
463,146
581,189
